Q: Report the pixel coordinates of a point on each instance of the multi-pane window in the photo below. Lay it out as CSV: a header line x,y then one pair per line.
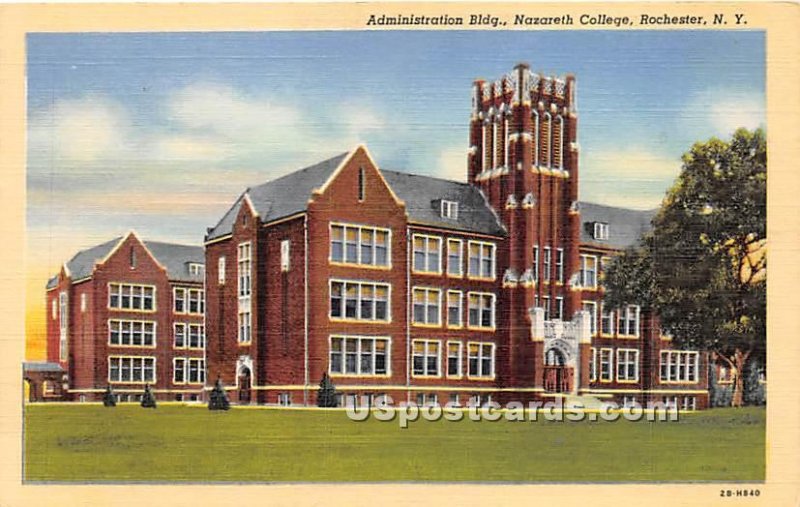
x,y
628,321
132,369
285,254
591,307
593,366
480,359
132,333
454,253
359,301
188,370
358,355
606,366
560,265
189,335
481,310
600,230
426,306
360,245
481,259
606,321
245,290
362,184
453,359
221,270
425,358
689,403
589,271
546,307
449,209
454,308
679,366
125,296
63,326
197,301
559,308
627,365
196,269
536,263
427,254
547,274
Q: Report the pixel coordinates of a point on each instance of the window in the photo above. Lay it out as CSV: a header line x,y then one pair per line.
x,y
591,307
362,184
53,309
559,308
359,301
197,336
180,300
606,366
536,263
560,265
427,254
358,355
178,370
593,366
285,399
132,333
449,209
197,371
454,254
188,370
124,296
63,326
221,270
628,401
425,358
426,306
627,365
245,290
600,230
83,302
481,359
689,403
481,310
547,274
679,366
285,245
179,340
196,269
453,359
628,321
140,370
606,321
359,245
454,308
588,271
132,257
481,260
427,399
546,307
454,400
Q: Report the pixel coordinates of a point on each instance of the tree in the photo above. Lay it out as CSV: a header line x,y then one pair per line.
x,y
109,399
326,398
148,400
217,399
703,266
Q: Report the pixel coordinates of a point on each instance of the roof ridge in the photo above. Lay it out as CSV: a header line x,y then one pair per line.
x,y
406,173
296,171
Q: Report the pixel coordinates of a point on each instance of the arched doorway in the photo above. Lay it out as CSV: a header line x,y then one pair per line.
x,y
558,376
244,382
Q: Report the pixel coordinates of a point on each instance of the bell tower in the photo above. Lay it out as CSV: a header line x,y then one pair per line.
x,y
524,157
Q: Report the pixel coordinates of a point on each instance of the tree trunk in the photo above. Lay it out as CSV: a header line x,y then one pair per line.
x,y
738,362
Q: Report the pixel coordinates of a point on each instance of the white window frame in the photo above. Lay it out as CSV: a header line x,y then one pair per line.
x,y
244,265
612,320
285,255
547,264
364,263
481,307
449,209
426,291
83,303
586,259
559,307
625,359
121,324
221,270
631,313
593,366
359,287
426,251
481,257
458,356
132,287
480,374
686,367
426,373
535,263
121,358
459,273
175,362
592,309
195,268
559,265
359,340
458,297
196,297
601,371
601,231
63,326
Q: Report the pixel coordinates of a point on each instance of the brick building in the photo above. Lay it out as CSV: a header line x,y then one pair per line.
x,y
433,290
125,313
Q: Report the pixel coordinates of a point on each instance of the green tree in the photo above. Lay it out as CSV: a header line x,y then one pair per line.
x,y
326,397
217,399
703,266
109,399
148,400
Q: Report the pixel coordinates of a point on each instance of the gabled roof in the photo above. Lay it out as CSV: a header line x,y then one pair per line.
x,y
280,197
626,226
176,258
423,194
288,195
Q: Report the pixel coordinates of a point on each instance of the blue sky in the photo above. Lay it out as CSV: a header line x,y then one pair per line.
x,y
161,132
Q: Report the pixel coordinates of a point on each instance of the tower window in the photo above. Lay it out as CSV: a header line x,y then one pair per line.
x,y
361,184
133,258
600,230
450,209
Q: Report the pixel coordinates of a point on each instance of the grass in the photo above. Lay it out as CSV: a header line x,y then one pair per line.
x,y
91,443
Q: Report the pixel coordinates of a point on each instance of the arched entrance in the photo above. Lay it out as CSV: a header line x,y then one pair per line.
x,y
244,382
558,377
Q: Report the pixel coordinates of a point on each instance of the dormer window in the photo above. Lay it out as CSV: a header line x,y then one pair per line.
x,y
449,209
600,230
196,269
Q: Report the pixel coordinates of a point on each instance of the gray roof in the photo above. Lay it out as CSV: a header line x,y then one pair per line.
x,y
41,366
176,258
280,197
289,194
423,195
625,226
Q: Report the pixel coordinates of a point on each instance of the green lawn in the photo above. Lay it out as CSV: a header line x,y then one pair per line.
x,y
178,443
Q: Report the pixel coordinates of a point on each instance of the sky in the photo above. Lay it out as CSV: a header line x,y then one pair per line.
x,y
160,132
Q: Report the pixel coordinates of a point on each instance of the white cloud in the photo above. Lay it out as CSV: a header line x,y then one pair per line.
x,y
452,163
725,110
